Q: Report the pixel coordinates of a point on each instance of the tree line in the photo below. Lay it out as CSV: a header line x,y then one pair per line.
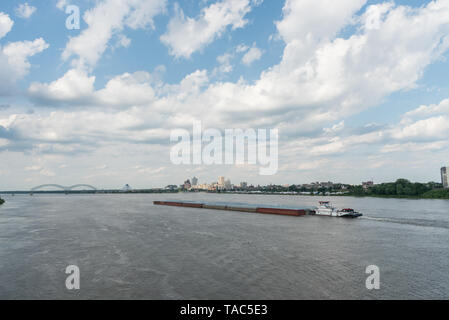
x,y
402,188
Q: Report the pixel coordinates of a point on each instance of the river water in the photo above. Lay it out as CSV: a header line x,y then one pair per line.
x,y
127,248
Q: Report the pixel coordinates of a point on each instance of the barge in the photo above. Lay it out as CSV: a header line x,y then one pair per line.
x,y
324,209
242,207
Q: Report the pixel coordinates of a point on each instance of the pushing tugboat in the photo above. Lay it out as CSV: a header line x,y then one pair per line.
x,y
326,209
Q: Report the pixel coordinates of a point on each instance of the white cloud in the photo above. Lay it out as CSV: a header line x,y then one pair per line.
x,y
143,11
14,63
422,111
18,53
40,169
127,90
336,78
5,24
3,142
321,79
375,15
309,22
25,11
252,55
33,168
421,140
62,4
335,128
123,41
411,147
335,146
106,19
310,165
149,170
241,48
75,86
47,172
434,128
187,35
428,131
225,63
425,125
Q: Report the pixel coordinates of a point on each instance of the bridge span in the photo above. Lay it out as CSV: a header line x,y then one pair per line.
x,y
64,188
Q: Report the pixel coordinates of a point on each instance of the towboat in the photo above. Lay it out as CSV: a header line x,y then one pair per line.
x,y
326,209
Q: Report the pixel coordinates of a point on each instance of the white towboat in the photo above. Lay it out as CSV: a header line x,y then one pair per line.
x,y
326,209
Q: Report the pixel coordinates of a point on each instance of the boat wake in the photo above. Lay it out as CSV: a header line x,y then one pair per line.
x,y
412,222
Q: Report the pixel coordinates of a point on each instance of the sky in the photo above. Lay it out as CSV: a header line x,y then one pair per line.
x,y
358,89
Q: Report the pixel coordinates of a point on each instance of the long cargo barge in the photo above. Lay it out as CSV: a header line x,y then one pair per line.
x,y
242,207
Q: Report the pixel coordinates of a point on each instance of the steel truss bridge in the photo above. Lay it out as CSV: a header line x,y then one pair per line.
x,y
63,188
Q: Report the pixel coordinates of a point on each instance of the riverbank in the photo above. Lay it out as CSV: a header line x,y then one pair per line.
x,y
434,194
423,197
442,194
431,194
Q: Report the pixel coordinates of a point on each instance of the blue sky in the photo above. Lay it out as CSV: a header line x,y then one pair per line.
x,y
147,51
342,82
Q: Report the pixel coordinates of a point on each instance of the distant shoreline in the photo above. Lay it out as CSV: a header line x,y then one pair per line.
x,y
340,195
233,193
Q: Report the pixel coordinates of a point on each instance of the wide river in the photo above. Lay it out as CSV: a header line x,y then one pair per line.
x,y
127,248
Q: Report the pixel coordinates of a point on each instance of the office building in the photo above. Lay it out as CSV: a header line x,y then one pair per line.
x,y
444,177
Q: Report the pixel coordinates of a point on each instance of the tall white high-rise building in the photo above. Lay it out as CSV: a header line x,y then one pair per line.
x,y
445,177
221,181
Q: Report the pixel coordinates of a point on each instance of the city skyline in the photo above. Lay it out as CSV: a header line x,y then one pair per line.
x,y
222,183
97,105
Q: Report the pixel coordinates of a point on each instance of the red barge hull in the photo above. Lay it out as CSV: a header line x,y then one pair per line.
x,y
240,207
285,212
